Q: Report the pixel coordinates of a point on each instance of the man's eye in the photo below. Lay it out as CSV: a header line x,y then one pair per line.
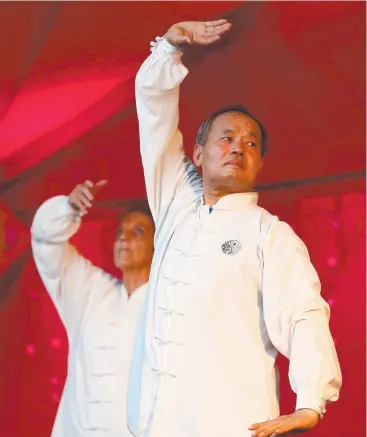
x,y
251,143
229,139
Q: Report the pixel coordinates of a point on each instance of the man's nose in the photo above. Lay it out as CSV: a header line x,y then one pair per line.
x,y
237,148
124,237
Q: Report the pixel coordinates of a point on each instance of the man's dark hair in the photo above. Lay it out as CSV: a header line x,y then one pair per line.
x,y
204,129
142,208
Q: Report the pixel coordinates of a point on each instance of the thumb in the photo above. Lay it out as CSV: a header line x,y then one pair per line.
x,y
98,186
101,183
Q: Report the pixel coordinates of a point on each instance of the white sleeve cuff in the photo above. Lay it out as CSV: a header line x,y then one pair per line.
x,y
163,48
55,220
310,402
59,206
64,208
168,47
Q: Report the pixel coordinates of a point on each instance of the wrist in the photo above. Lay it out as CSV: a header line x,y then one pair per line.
x,y
309,411
169,46
308,417
73,209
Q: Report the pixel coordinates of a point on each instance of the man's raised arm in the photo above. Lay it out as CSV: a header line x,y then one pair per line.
x,y
67,276
167,171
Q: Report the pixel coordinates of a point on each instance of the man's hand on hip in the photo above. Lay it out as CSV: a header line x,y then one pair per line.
x,y
291,424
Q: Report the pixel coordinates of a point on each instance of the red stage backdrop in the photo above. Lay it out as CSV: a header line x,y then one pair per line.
x,y
67,114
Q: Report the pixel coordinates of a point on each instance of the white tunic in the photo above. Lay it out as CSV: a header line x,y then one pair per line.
x,y
227,291
100,322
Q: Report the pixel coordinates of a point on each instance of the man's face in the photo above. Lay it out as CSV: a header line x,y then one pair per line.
x,y
133,247
231,158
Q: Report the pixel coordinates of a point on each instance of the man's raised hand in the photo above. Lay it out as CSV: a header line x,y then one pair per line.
x,y
196,32
82,196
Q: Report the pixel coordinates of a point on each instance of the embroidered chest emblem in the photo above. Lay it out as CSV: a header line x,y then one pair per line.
x,y
231,247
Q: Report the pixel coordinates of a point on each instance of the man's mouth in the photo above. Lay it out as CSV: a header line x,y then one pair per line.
x,y
235,163
124,249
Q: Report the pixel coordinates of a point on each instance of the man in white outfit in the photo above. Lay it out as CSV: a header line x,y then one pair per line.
x,y
230,286
99,312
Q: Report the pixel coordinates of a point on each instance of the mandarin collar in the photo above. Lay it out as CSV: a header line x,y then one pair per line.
x,y
235,202
125,297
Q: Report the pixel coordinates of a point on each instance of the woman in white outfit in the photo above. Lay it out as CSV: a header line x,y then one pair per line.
x,y
99,312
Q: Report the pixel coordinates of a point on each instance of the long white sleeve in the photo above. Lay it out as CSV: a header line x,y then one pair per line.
x,y
297,319
168,173
67,276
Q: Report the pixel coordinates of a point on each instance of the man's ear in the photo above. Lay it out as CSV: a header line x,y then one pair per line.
x,y
197,155
261,164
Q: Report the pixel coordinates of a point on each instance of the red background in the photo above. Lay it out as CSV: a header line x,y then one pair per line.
x,y
67,114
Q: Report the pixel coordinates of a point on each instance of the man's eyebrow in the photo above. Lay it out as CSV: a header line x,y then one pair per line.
x,y
228,131
231,131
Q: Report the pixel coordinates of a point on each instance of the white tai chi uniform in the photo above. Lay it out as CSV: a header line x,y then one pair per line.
x,y
100,322
227,290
